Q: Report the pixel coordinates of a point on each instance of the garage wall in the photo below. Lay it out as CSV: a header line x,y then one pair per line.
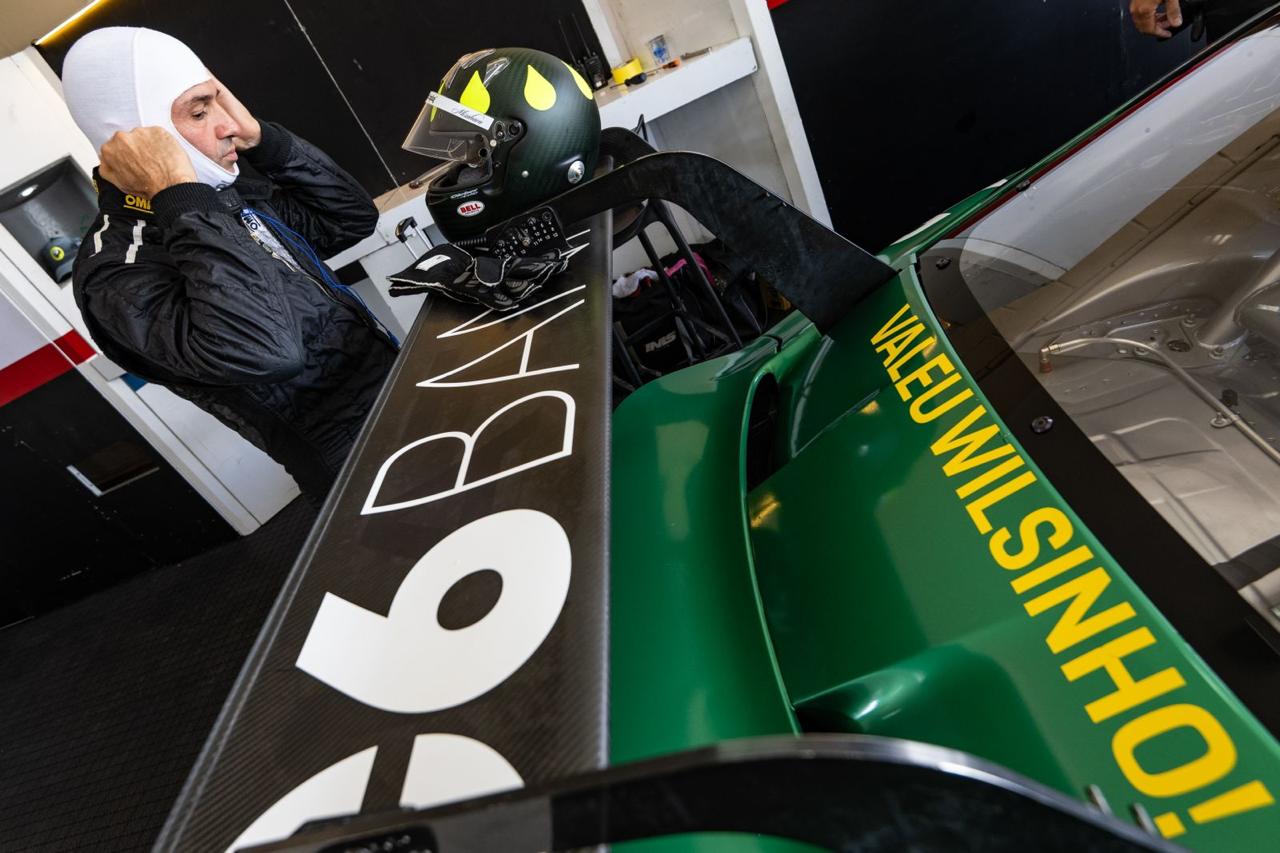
x,y
909,107
61,540
687,26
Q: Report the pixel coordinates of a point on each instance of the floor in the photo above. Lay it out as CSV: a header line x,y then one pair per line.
x,y
105,703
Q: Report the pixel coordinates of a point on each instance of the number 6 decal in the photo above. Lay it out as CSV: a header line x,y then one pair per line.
x,y
406,662
442,768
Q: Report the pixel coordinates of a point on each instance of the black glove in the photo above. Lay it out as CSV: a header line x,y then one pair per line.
x,y
479,278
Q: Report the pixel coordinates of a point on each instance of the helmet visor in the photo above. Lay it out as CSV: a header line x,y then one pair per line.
x,y
447,130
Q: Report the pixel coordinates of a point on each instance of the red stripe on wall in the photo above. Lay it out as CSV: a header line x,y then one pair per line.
x,y
75,347
47,363
773,4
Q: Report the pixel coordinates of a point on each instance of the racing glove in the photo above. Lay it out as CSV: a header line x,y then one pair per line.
x,y
478,278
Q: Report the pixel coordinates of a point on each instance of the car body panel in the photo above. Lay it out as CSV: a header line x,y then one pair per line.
x,y
885,607
691,663
888,609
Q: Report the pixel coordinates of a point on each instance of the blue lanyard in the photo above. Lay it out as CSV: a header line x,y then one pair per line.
x,y
299,243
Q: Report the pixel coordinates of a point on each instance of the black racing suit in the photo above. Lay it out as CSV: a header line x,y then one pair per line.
x,y
176,291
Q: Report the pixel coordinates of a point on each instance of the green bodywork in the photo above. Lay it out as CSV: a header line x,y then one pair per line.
x,y
853,590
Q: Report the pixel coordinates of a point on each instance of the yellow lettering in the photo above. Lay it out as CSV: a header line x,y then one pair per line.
x,y
893,326
1217,761
989,476
1129,693
894,346
1051,569
972,444
1030,550
921,375
977,508
1169,824
895,369
1249,796
920,416
965,444
1082,593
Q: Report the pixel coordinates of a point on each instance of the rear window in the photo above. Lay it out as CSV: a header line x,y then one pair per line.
x,y
1139,279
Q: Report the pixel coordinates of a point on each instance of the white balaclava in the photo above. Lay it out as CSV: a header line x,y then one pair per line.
x,y
121,78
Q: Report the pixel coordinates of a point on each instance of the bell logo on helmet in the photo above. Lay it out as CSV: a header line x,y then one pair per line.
x,y
470,208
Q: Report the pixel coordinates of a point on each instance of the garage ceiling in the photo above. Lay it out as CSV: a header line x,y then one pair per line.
x,y
24,21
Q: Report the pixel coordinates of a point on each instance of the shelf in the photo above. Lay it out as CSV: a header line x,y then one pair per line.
x,y
665,91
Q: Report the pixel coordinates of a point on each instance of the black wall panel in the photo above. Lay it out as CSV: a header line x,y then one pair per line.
x,y
60,541
910,107
386,56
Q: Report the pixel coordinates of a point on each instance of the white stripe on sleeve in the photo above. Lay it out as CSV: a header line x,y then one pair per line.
x,y
97,235
131,254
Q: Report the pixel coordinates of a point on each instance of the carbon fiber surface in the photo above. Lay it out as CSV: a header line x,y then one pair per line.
x,y
447,449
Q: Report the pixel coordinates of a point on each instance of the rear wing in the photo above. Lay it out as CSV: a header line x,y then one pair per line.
x,y
821,273
443,633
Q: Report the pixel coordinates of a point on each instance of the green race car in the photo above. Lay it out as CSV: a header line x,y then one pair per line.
x,y
1019,499
1023,501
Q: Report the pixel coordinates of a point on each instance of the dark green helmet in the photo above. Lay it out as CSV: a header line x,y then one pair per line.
x,y
514,127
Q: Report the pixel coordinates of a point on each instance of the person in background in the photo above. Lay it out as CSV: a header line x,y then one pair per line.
x,y
206,277
1162,18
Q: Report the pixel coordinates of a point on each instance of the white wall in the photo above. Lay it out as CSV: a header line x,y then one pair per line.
x,y
753,124
19,336
688,26
773,88
728,124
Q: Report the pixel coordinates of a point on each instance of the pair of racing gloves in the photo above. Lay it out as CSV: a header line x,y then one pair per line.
x,y
476,276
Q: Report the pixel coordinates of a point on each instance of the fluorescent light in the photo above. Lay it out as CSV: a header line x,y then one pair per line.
x,y
26,191
68,22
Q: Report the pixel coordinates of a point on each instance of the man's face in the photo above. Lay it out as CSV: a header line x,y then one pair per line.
x,y
202,121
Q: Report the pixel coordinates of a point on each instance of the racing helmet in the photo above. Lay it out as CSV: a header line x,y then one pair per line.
x,y
514,127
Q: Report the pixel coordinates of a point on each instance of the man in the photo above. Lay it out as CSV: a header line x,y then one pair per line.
x,y
208,280
1161,18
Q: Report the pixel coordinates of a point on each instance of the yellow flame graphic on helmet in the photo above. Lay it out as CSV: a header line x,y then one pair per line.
x,y
577,78
538,90
475,96
439,89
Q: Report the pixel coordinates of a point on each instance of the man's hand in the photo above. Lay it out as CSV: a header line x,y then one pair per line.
x,y
144,161
1147,19
250,130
